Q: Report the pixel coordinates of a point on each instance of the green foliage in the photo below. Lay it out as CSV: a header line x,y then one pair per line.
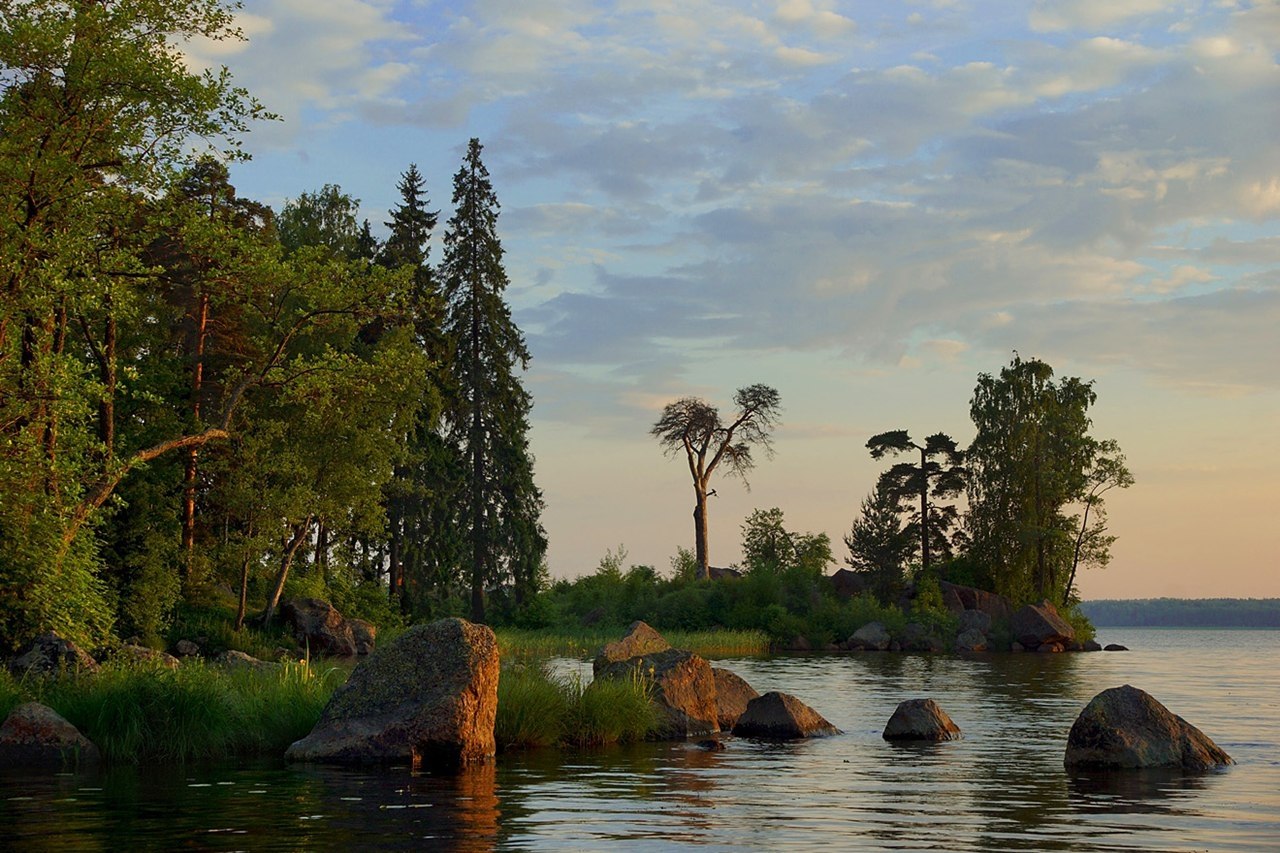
x,y
1080,622
767,546
1031,459
920,488
585,642
497,504
878,545
537,709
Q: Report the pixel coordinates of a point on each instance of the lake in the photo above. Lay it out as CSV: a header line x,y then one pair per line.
x,y
1002,787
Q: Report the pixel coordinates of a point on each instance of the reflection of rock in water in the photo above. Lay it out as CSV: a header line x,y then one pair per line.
x,y
1148,791
475,808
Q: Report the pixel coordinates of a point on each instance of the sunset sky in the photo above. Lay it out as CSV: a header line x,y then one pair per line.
x,y
863,204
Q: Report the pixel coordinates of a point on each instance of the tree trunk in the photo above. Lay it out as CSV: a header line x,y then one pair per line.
x,y
286,559
243,604
924,514
191,469
1075,556
700,546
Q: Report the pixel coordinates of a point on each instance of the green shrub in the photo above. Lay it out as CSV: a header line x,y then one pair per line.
x,y
608,711
1077,620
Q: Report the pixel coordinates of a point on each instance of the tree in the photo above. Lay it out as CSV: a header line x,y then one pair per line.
x,y
695,427
325,218
1033,457
878,545
488,410
905,481
97,113
1093,543
767,545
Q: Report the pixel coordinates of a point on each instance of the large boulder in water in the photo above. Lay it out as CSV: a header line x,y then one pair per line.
x,y
34,735
1036,625
1125,727
639,640
50,654
428,698
917,637
971,640
733,693
319,626
781,716
920,719
682,688
871,637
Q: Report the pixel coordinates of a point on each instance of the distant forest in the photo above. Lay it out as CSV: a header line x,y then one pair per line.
x,y
1184,612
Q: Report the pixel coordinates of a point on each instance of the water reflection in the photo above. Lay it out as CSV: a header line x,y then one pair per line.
x,y
1001,787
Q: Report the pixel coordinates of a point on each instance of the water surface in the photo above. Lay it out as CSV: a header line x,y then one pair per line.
x,y
1002,787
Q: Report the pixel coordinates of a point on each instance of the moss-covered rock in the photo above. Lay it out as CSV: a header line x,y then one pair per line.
x,y
1125,727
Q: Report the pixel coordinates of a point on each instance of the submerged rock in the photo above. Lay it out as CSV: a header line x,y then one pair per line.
x,y
781,716
50,654
429,698
1125,727
733,694
35,735
1115,647
920,719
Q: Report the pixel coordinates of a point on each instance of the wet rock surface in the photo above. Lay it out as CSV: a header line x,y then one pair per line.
x,y
781,716
1125,727
920,719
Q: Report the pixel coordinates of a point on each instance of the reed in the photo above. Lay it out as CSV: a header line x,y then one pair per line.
x,y
144,713
537,709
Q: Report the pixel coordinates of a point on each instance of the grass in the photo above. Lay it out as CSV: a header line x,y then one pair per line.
x,y
585,642
145,713
536,709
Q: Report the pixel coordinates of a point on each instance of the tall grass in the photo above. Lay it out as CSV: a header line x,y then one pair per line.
x,y
142,713
538,709
585,642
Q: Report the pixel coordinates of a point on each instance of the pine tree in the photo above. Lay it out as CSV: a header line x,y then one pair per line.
x,y
488,415
878,545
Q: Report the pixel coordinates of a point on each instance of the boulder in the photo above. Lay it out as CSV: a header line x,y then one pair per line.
x,y
1049,648
139,655
1115,647
799,643
848,584
920,719
1125,727
716,573
428,698
918,638
871,637
974,620
319,626
232,659
781,716
683,690
971,640
1037,624
364,635
1090,646
36,735
959,598
187,649
50,654
1015,646
639,640
733,694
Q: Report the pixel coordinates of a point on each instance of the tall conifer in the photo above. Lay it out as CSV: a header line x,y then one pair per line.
x,y
488,414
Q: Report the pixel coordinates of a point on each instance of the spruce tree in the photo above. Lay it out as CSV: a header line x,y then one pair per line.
x,y
488,413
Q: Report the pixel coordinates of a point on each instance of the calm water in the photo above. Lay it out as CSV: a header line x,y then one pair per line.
x,y
1002,787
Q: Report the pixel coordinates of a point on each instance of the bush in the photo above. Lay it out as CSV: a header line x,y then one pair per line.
x,y
1076,619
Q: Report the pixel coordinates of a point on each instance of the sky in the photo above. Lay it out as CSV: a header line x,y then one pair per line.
x,y
862,204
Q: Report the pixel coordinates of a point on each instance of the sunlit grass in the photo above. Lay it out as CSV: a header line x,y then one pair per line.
x,y
538,709
584,643
137,713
